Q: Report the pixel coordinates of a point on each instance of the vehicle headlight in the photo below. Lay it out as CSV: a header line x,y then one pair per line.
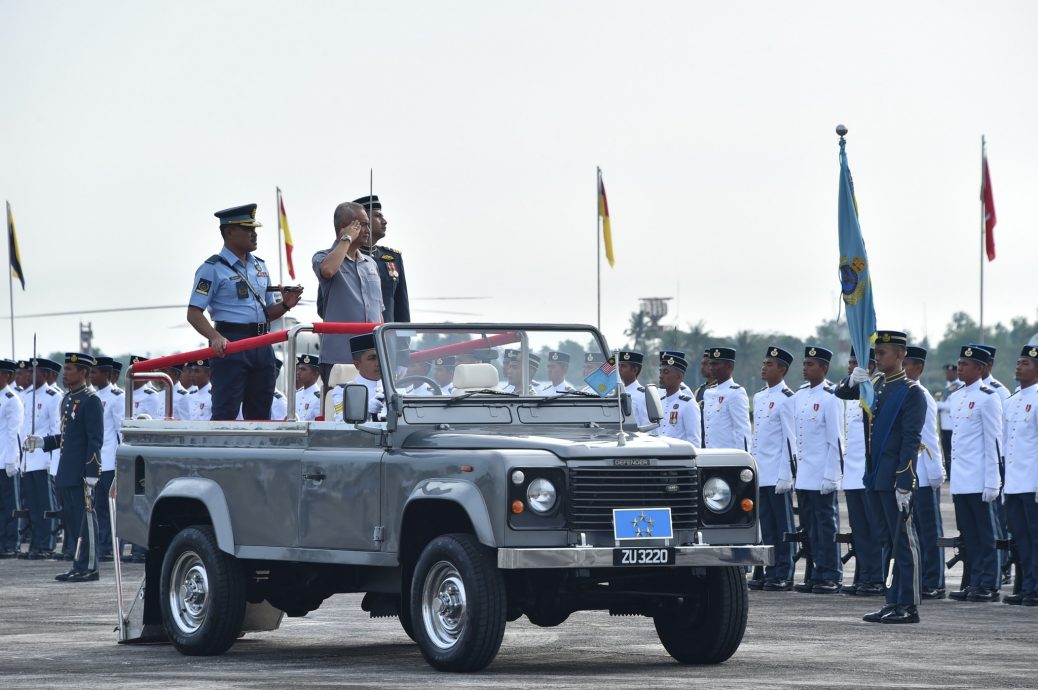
x,y
717,494
541,495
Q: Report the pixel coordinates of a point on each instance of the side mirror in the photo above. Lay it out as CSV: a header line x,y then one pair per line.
x,y
653,404
355,403
625,404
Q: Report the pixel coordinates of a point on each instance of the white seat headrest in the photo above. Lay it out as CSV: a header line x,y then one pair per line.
x,y
475,376
341,374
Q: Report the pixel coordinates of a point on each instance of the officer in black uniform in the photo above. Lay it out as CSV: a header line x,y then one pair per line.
x,y
395,306
80,441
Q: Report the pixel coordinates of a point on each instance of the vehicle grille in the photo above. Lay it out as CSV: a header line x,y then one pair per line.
x,y
595,491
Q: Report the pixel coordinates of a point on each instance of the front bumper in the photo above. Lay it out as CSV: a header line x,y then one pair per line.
x,y
584,557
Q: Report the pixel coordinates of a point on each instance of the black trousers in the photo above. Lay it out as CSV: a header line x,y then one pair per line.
x,y
978,525
926,506
1023,521
244,380
37,499
104,518
866,534
776,518
900,541
8,523
820,516
946,435
78,525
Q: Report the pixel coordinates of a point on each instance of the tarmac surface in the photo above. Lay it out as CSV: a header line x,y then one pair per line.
x,y
56,634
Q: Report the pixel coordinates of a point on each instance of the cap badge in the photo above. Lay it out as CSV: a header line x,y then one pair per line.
x,y
886,337
73,358
717,353
1033,352
670,360
812,352
201,362
968,352
590,357
554,355
774,352
627,355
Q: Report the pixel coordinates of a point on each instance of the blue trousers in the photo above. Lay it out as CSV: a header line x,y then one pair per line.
x,y
37,499
776,518
926,508
865,532
104,519
1022,512
978,525
8,523
76,517
901,541
820,516
244,380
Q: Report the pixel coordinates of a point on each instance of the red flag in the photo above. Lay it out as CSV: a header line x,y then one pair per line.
x,y
988,200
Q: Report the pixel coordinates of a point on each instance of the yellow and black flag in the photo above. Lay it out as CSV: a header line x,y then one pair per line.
x,y
12,248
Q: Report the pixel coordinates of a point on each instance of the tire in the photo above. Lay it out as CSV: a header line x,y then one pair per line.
x,y
405,614
201,594
458,604
708,626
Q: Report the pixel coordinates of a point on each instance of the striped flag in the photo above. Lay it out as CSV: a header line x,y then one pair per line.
x,y
603,213
12,248
283,227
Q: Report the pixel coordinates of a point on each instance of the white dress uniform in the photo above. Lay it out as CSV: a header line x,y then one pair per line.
x,y
146,400
944,405
447,389
818,424
773,436
376,399
550,388
55,456
12,415
977,432
726,416
308,402
929,468
48,423
278,406
997,386
202,403
114,404
853,446
1020,441
181,402
421,390
637,393
681,418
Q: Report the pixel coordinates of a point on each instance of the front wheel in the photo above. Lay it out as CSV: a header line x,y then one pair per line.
x,y
202,594
709,624
458,604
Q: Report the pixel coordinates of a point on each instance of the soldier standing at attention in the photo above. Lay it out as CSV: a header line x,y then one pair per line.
x,y
773,442
929,468
11,416
232,285
114,403
989,380
80,441
1020,441
684,386
201,399
43,409
680,411
308,397
629,370
818,424
944,411
975,482
146,400
726,408
395,304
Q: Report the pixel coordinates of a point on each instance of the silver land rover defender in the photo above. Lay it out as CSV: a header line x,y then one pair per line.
x,y
457,498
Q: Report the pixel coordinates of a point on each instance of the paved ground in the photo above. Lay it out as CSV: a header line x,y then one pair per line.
x,y
56,634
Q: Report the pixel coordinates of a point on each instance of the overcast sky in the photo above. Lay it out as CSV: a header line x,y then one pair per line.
x,y
124,125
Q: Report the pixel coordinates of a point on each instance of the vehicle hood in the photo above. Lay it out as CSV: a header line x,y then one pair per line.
x,y
564,443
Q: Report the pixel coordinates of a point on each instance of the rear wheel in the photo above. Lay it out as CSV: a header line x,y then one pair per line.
x,y
201,594
457,604
707,627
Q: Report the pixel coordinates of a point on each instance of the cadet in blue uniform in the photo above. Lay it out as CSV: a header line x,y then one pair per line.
x,y
1020,445
395,305
232,285
80,441
892,440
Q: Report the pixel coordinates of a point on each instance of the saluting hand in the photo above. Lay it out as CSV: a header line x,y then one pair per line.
x,y
219,344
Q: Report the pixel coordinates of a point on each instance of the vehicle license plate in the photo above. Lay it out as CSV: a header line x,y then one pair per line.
x,y
642,523
643,556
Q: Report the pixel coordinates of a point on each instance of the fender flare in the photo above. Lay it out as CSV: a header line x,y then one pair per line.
x,y
466,495
209,494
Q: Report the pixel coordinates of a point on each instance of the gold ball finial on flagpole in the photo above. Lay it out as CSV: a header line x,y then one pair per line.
x,y
841,130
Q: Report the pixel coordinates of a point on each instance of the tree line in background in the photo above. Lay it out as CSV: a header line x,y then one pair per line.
x,y
644,335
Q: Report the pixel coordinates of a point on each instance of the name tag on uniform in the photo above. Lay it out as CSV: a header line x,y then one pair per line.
x,y
243,289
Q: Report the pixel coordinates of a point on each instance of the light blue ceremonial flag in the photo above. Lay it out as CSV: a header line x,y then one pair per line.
x,y
855,279
604,379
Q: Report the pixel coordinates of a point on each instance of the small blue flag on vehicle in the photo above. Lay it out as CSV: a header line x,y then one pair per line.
x,y
603,380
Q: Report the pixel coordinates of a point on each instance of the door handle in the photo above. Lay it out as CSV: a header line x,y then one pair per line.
x,y
315,476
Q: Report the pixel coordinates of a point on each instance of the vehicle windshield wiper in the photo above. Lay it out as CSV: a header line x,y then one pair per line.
x,y
483,391
583,394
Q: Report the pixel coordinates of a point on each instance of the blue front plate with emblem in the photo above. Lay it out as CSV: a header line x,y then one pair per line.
x,y
642,523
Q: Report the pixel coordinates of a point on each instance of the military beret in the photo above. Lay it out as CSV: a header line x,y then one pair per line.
x,y
556,356
594,358
239,215
916,352
1030,351
726,354
631,357
371,202
80,358
775,352
895,337
448,361
308,360
362,343
104,362
8,365
975,353
670,360
816,352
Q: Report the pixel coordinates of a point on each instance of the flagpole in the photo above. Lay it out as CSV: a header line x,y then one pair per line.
x,y
983,232
10,275
598,245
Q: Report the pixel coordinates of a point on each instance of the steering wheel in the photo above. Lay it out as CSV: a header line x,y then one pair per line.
x,y
409,380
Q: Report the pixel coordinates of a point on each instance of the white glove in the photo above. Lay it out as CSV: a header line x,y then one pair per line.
x,y
859,375
783,486
90,481
32,443
904,499
936,482
989,495
828,486
11,469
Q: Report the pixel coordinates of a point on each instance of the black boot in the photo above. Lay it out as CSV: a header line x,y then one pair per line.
x,y
902,614
876,616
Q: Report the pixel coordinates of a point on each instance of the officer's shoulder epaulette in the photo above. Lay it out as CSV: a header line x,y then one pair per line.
x,y
215,258
686,398
317,394
787,392
192,392
181,391
911,382
388,249
148,391
735,386
828,388
985,389
51,391
996,384
117,391
10,394
277,394
641,389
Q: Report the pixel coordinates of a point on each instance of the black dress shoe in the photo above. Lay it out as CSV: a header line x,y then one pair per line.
x,y
778,586
984,594
755,584
84,576
7,553
851,589
803,587
933,593
137,559
1015,599
825,587
901,614
64,577
1031,600
876,616
105,558
961,594
869,589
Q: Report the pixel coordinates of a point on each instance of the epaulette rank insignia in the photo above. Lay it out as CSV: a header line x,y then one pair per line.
x,y
388,257
51,391
10,394
686,398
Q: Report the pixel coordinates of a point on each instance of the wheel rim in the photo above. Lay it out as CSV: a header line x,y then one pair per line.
x,y
189,592
443,605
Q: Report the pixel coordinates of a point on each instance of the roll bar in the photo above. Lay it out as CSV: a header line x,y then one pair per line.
x,y
132,376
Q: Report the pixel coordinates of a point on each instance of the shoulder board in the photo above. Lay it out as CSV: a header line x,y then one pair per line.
x,y
388,249
686,398
256,258
912,383
828,389
10,394
641,389
51,391
214,259
996,384
192,392
277,394
317,394
786,392
985,389
117,391
181,391
735,386
149,391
